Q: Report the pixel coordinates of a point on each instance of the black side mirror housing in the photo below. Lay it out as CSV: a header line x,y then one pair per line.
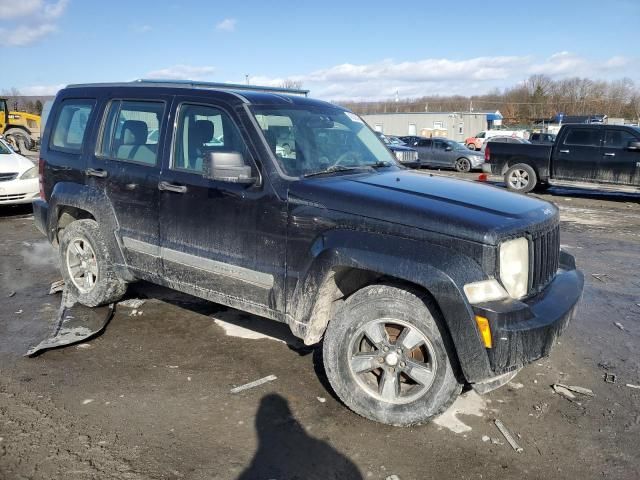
x,y
228,167
634,146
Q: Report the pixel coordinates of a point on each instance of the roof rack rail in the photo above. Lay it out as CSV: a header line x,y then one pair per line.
x,y
225,86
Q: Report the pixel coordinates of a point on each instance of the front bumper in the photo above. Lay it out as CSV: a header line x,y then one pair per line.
x,y
476,161
19,191
525,330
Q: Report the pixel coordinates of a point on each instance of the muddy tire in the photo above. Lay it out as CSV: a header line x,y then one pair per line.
x,y
463,165
387,356
86,265
20,138
521,178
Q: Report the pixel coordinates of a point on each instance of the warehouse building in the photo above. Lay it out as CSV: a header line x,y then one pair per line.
x,y
454,125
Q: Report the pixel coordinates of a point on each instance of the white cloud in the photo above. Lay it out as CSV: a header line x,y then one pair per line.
x,y
24,35
31,20
617,61
441,76
183,72
14,9
227,25
141,28
41,90
56,9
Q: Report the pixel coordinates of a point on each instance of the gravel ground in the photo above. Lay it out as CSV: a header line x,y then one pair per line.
x,y
150,398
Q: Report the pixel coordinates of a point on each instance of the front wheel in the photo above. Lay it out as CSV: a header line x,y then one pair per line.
x,y
86,265
521,178
386,356
462,165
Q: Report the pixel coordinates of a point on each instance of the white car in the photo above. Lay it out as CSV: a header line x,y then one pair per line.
x,y
18,177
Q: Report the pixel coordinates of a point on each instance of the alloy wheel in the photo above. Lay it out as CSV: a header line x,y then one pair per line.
x,y
519,179
392,360
82,264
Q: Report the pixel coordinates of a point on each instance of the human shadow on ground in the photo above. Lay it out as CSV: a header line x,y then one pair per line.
x,y
286,452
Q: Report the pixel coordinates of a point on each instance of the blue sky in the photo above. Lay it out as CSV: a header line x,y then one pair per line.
x,y
338,49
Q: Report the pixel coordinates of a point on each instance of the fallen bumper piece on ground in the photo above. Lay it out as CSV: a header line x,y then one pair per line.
x,y
75,323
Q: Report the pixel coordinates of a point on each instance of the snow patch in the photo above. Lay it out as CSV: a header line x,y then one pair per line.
x,y
233,330
469,403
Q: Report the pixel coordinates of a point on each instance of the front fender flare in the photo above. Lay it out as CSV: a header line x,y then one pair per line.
x,y
440,270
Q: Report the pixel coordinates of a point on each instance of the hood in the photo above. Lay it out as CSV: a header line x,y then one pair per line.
x,y
13,162
458,208
400,148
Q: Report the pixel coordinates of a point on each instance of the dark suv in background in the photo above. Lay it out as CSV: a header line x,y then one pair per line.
x,y
415,284
406,155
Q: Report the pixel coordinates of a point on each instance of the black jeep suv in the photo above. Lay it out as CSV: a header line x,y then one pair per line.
x,y
293,209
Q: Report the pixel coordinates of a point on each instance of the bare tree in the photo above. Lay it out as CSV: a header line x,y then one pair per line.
x,y
537,97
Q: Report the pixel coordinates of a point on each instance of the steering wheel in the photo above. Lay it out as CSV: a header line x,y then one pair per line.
x,y
347,156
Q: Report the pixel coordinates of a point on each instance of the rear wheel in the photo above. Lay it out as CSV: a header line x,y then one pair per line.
x,y
86,265
521,178
462,165
386,356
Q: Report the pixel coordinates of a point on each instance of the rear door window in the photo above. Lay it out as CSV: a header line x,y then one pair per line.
x,y
131,131
585,137
618,139
71,125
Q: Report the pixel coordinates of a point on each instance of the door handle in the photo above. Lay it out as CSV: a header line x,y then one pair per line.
x,y
97,172
564,151
609,154
170,187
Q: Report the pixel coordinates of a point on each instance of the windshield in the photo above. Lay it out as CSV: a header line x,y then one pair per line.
x,y
4,149
307,140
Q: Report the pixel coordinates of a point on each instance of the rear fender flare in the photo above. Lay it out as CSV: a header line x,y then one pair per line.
x,y
97,204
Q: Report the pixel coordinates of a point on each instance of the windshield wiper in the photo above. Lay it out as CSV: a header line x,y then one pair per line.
x,y
380,164
334,169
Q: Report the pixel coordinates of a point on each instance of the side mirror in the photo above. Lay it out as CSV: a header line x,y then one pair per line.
x,y
634,146
228,167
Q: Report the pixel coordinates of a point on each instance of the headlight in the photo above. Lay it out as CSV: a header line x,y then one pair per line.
x,y
484,291
31,173
514,266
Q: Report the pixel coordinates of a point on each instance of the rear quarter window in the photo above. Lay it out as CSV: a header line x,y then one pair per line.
x,y
70,126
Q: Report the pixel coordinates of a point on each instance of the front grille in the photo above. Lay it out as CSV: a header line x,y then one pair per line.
x,y
4,198
544,259
406,156
5,177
